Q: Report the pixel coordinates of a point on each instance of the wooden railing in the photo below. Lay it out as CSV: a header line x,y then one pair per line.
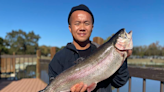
x,y
146,73
12,64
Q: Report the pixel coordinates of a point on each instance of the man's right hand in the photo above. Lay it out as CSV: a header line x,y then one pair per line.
x,y
79,87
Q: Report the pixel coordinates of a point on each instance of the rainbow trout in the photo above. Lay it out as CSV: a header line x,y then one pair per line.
x,y
100,65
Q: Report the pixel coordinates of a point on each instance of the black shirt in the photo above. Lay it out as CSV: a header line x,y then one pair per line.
x,y
85,53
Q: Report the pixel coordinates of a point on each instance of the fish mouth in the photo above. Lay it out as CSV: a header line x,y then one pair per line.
x,y
123,53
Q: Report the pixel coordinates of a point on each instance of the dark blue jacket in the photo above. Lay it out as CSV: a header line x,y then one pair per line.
x,y
65,58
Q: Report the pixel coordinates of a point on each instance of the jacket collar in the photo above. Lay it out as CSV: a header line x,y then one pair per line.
x,y
73,48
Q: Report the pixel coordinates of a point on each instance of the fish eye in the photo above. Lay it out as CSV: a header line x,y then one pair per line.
x,y
125,36
119,35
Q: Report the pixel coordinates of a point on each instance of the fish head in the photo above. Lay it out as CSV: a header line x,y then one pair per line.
x,y
124,40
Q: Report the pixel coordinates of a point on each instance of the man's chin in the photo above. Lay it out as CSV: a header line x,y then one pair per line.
x,y
82,40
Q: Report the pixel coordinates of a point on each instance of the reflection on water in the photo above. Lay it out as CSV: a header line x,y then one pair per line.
x,y
28,72
44,76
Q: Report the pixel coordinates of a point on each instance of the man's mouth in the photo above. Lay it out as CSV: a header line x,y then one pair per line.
x,y
82,34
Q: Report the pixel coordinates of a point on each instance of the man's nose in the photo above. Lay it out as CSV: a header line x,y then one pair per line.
x,y
82,27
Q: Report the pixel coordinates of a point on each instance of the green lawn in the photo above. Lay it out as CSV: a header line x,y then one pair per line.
x,y
145,60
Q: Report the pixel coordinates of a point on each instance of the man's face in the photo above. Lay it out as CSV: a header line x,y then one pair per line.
x,y
81,25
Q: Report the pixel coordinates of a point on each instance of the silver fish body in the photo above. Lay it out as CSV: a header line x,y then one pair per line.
x,y
100,65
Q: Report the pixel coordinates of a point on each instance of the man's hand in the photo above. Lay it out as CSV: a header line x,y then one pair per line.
x,y
79,87
129,53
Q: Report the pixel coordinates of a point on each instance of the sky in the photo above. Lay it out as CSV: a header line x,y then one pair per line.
x,y
48,19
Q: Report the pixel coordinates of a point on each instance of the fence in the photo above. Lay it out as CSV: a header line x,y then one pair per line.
x,y
23,66
14,66
147,73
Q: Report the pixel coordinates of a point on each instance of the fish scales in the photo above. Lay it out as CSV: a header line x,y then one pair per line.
x,y
104,62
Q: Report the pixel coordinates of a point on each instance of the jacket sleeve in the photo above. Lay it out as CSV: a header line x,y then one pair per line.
x,y
121,76
54,68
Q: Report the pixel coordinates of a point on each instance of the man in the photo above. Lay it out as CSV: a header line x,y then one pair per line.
x,y
81,22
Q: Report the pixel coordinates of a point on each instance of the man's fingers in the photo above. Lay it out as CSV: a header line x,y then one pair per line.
x,y
74,87
129,53
84,88
79,87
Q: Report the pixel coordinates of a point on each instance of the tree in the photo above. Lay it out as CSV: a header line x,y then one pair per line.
x,y
21,42
45,50
32,42
58,49
153,49
3,48
162,51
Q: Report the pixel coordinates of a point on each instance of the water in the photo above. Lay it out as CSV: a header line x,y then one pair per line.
x,y
44,76
28,72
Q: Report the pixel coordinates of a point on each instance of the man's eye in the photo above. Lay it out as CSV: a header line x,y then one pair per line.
x,y
87,24
77,23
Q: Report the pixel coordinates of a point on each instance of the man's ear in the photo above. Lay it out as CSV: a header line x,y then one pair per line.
x,y
70,28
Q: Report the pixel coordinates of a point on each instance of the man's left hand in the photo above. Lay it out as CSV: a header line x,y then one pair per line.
x,y
129,52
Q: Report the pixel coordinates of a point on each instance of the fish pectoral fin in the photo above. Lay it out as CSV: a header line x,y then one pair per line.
x,y
91,87
79,60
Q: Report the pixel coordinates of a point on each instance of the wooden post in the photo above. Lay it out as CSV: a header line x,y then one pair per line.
x,y
13,64
53,52
161,86
144,85
129,84
118,90
98,40
38,54
14,61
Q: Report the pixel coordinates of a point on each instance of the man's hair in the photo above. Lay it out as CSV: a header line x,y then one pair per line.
x,y
80,7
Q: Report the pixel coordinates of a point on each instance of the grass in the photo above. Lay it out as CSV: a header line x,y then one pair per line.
x,y
145,60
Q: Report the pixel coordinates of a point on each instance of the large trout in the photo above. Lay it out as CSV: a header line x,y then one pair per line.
x,y
100,65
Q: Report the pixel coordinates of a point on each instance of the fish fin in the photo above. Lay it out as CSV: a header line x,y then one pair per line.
x,y
91,87
79,60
